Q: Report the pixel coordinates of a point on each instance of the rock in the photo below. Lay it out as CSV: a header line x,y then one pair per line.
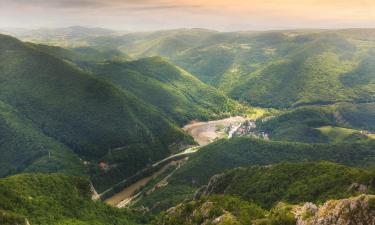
x,y
353,211
226,218
213,185
361,188
200,192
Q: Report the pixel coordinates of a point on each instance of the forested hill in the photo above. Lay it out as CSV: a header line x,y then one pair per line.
x,y
64,107
56,199
174,91
271,69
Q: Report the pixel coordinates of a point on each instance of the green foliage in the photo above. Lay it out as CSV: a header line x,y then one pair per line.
x,y
227,154
299,125
270,69
89,116
292,182
280,215
339,134
360,116
9,218
24,147
178,94
165,197
274,187
56,199
303,123
232,210
83,56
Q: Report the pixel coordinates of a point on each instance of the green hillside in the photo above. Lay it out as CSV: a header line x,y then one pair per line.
x,y
227,154
73,36
292,183
314,72
270,69
82,108
89,116
303,123
56,199
24,147
84,56
206,210
174,91
340,134
246,151
251,195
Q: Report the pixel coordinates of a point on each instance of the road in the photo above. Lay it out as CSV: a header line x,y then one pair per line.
x,y
202,132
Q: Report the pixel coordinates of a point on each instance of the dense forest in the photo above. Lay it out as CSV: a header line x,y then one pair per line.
x,y
89,114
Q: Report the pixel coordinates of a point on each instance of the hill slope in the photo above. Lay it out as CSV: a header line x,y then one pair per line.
x,y
270,69
174,91
87,115
350,122
251,195
54,199
24,147
292,183
227,154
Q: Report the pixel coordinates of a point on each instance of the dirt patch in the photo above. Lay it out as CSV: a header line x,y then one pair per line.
x,y
132,189
206,132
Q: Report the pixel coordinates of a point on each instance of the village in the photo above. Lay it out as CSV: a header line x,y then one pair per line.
x,y
246,128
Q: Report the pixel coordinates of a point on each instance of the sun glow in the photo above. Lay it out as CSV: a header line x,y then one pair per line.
x,y
216,14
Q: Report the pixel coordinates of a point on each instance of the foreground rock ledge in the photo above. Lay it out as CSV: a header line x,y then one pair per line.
x,y
352,211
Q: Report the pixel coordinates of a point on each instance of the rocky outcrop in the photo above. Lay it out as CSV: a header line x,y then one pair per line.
x,y
214,186
200,215
352,211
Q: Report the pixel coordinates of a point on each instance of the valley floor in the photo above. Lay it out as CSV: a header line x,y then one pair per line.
x,y
207,132
202,132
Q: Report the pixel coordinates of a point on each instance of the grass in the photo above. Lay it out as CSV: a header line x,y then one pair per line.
x,y
339,134
303,123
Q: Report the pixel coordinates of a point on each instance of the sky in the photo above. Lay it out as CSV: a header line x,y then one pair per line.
x,y
226,15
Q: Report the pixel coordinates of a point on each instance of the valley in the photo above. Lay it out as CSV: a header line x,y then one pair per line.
x,y
187,127
203,133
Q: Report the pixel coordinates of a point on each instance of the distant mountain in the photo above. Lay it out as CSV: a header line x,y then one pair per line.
x,y
82,56
87,115
270,69
172,90
65,36
73,32
319,69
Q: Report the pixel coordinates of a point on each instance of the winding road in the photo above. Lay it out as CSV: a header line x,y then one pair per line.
x,y
202,132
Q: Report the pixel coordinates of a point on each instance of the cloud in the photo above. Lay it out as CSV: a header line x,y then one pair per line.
x,y
163,7
215,14
55,3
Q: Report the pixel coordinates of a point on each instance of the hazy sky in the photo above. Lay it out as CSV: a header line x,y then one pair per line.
x,y
166,14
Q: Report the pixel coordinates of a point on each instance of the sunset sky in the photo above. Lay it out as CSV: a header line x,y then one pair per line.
x,y
167,14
